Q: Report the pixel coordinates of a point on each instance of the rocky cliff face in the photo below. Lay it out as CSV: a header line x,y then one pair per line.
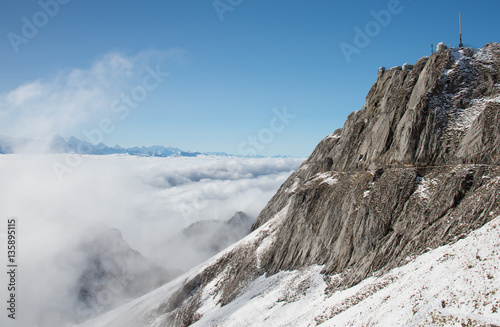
x,y
414,169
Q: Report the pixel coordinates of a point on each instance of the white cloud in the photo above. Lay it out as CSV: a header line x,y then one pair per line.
x,y
63,103
148,199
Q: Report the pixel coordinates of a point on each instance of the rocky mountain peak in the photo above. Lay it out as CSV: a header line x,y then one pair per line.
x,y
421,115
416,168
394,179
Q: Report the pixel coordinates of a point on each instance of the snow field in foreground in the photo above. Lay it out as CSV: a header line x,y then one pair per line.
x,y
451,285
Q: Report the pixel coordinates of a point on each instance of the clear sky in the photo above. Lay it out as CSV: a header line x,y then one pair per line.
x,y
238,70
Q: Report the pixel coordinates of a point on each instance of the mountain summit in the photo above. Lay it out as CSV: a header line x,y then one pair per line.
x,y
415,169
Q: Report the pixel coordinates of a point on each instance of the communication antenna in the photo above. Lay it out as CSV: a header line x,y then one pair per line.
x,y
460,23
432,48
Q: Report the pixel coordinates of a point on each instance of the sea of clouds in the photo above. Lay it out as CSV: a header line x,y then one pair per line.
x,y
148,199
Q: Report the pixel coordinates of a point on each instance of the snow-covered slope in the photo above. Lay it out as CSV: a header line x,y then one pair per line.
x,y
456,284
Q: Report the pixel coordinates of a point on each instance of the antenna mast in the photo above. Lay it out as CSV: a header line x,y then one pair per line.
x,y
460,23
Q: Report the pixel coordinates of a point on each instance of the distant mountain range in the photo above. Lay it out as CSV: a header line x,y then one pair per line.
x,y
58,144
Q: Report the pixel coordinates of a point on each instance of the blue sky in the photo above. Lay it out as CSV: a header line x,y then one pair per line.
x,y
227,78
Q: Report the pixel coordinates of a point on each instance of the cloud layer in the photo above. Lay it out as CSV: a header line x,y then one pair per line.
x,y
148,199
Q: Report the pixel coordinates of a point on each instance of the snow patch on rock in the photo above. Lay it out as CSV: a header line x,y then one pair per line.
x,y
425,187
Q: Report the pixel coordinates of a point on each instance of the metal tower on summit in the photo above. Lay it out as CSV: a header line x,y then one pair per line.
x,y
460,24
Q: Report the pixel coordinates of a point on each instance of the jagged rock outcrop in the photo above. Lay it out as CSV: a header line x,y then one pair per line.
x,y
419,117
113,274
205,238
414,169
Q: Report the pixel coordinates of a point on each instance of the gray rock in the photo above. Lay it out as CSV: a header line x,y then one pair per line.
x,y
411,132
415,168
401,185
